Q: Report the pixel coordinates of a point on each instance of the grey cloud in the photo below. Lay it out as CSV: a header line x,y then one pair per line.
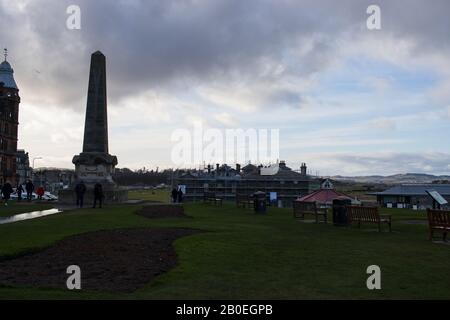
x,y
164,44
396,162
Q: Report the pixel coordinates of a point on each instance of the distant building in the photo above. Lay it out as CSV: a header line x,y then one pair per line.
x,y
325,195
410,195
226,182
23,169
9,115
53,179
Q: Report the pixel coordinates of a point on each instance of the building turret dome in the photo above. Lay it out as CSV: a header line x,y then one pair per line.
x,y
7,75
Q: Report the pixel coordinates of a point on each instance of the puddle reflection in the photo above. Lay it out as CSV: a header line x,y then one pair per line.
x,y
28,216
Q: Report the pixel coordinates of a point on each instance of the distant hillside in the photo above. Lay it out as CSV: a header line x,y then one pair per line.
x,y
394,179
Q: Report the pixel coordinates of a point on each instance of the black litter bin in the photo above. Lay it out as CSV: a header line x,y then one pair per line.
x,y
340,215
259,202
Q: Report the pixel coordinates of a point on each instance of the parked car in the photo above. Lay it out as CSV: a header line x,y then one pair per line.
x,y
24,196
50,197
47,196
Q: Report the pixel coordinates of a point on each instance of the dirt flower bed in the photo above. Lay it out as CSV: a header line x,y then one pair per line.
x,y
113,261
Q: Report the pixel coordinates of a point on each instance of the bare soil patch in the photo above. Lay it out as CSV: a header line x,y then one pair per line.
x,y
111,260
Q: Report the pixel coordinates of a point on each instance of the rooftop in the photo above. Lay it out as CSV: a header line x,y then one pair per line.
x,y
325,196
6,75
414,190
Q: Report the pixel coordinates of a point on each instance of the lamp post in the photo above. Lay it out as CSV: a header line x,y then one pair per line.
x,y
40,177
37,158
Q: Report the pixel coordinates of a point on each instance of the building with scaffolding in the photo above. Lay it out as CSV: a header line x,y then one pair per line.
x,y
280,183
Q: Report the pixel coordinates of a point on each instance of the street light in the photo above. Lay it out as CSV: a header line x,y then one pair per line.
x,y
37,158
40,175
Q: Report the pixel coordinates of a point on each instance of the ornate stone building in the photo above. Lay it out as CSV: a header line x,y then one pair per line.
x,y
24,171
9,121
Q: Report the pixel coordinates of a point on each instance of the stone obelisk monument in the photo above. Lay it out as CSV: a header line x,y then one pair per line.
x,y
94,164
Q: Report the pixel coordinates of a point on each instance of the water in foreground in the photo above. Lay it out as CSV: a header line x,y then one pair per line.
x,y
29,215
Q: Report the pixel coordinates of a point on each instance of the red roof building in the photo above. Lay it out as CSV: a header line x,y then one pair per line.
x,y
325,195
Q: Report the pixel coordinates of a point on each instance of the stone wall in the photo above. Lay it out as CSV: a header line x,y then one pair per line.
x,y
114,196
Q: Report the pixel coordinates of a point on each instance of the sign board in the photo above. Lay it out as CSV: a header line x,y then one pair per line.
x,y
182,187
273,196
437,197
280,204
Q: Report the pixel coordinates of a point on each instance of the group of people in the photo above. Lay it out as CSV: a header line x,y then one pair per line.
x,y
7,190
177,195
80,190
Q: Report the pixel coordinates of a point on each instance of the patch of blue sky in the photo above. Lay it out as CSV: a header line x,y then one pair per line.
x,y
363,75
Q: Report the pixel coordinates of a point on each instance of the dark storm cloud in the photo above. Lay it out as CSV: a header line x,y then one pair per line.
x,y
166,44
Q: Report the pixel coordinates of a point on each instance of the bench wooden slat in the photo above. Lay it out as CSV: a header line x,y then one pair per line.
x,y
302,208
210,197
368,214
244,200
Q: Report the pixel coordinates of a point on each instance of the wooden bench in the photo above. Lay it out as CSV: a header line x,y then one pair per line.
x,y
244,200
302,208
210,197
368,214
439,220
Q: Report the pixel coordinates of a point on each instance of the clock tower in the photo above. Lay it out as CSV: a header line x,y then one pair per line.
x,y
9,121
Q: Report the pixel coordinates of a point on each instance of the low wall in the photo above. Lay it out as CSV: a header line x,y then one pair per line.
x,y
113,196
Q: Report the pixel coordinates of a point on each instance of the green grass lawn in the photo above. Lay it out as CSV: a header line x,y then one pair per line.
x,y
248,256
15,207
159,195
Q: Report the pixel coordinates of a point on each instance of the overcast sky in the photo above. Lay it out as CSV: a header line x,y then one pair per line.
x,y
347,100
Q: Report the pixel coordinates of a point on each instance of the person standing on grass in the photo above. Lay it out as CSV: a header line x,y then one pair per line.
x,y
19,191
80,190
180,195
29,187
174,195
98,195
40,192
6,192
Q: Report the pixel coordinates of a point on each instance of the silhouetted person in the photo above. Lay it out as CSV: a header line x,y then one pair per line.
x,y
19,191
6,192
98,195
40,192
80,190
174,195
180,195
29,187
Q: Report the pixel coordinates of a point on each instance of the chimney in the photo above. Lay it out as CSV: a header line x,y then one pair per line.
x,y
303,169
209,169
217,167
238,168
